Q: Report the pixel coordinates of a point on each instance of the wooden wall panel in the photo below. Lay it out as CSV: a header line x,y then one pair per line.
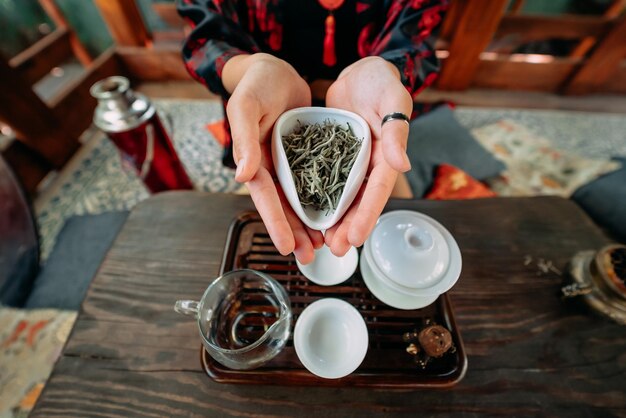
x,y
37,61
528,28
612,12
57,16
74,106
156,64
168,13
124,20
503,73
31,119
602,64
617,83
516,6
474,31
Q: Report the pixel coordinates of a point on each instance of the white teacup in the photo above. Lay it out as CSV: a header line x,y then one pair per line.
x,y
331,338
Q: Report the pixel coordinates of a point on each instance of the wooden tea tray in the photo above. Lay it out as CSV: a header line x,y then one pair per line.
x,y
387,363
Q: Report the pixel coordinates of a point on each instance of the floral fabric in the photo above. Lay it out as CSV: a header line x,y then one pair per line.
x,y
30,343
534,167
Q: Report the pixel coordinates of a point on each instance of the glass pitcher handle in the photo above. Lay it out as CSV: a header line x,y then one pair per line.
x,y
187,307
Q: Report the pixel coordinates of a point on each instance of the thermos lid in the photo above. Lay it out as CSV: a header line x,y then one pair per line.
x,y
119,108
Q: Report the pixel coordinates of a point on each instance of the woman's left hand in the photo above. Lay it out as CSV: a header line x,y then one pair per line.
x,y
371,87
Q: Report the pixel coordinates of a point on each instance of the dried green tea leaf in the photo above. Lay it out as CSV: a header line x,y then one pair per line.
x,y
321,156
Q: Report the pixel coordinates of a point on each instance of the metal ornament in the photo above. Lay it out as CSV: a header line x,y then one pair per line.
x,y
599,279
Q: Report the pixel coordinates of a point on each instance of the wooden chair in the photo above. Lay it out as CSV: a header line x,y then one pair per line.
x,y
46,132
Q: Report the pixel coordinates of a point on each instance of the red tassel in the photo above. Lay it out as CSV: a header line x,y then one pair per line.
x,y
330,59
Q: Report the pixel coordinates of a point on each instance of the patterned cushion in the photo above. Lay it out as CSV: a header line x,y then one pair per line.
x,y
31,341
218,130
453,183
604,199
438,138
534,167
80,248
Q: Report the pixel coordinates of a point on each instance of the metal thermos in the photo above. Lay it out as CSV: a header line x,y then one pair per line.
x,y
132,123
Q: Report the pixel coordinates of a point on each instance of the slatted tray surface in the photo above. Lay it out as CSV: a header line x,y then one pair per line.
x,y
387,363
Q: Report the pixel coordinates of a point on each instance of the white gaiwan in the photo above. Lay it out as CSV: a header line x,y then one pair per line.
x,y
327,269
409,260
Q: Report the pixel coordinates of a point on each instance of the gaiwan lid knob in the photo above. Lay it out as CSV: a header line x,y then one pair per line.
x,y
415,251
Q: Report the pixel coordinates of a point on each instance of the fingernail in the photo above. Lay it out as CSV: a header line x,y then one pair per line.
x,y
304,254
355,242
407,162
240,166
340,249
326,238
356,239
298,256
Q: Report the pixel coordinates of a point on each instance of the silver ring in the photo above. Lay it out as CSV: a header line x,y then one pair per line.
x,y
395,116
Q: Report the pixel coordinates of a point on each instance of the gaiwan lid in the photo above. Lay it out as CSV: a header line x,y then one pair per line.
x,y
414,252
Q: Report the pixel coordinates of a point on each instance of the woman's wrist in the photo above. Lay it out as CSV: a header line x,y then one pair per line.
x,y
236,67
379,63
233,71
382,64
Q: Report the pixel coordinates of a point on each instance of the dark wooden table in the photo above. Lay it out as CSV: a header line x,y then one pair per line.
x,y
530,354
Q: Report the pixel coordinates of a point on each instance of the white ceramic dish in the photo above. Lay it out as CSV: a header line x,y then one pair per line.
x,y
328,269
331,338
389,296
286,123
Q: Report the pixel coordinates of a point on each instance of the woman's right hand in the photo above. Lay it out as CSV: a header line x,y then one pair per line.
x,y
263,87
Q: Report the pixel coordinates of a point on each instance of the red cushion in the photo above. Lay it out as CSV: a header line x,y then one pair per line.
x,y
218,130
453,183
